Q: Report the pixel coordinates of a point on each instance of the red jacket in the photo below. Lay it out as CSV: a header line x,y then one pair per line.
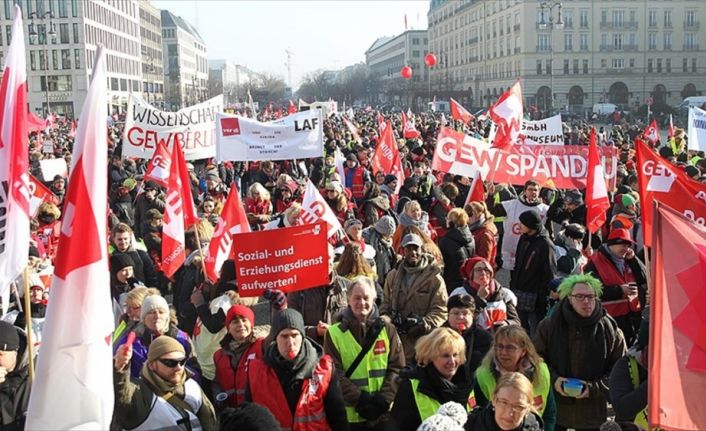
x,y
234,381
610,276
358,182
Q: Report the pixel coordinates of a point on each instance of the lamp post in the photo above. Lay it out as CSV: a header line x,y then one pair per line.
x,y
34,37
193,89
551,24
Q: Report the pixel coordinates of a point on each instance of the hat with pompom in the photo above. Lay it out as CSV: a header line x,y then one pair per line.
x,y
450,417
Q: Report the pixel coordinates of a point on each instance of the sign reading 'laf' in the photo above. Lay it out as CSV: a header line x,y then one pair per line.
x,y
287,259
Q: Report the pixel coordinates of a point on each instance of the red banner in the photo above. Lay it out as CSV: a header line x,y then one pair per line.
x,y
288,259
560,166
39,193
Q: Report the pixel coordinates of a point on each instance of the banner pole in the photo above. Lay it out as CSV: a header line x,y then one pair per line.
x,y
28,324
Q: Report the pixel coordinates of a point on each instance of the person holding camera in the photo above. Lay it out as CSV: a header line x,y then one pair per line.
x,y
580,344
414,295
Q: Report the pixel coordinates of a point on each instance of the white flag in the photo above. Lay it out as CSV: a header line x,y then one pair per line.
x,y
73,388
316,208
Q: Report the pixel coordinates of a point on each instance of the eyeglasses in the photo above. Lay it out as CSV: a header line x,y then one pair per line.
x,y
482,271
171,363
505,405
584,298
507,347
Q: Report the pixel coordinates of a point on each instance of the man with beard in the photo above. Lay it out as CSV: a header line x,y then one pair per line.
x,y
414,295
165,397
580,343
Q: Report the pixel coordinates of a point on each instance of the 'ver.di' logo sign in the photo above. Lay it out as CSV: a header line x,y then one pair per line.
x,y
230,126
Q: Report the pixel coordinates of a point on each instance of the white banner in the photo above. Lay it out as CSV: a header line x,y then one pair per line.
x,y
296,136
697,129
543,132
195,127
53,167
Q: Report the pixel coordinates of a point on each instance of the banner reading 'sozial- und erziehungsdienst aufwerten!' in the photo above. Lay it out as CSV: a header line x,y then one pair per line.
x,y
296,136
194,127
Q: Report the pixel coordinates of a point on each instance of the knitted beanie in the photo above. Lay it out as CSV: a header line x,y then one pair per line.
x,y
385,225
153,302
288,318
162,345
531,219
450,417
119,261
240,310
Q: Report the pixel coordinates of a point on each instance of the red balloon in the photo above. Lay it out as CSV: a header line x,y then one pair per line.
x,y
406,72
430,59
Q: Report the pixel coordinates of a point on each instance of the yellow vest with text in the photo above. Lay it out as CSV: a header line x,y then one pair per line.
x,y
370,373
486,382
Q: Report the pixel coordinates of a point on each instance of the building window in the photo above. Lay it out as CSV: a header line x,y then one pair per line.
x,y
618,18
549,67
57,83
618,63
618,41
667,41
604,63
66,59
604,40
42,60
75,28
632,63
32,61
689,41
685,65
690,18
568,19
55,59
568,42
659,65
585,67
63,12
583,17
652,18
649,66
566,67
667,18
64,33
652,41
77,58
693,65
584,42
415,54
539,66
543,42
576,67
415,41
668,65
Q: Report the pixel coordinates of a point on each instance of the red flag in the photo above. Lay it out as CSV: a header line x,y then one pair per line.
x,y
597,202
159,166
292,108
35,123
354,130
387,156
39,193
507,113
77,356
409,131
477,191
14,163
677,377
179,213
460,113
652,133
660,180
671,126
232,220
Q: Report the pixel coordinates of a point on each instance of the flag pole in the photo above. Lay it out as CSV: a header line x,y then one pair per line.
x,y
198,244
28,324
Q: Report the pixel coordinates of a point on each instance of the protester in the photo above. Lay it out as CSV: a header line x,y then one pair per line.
x,y
291,366
354,230
369,384
379,237
353,264
133,310
165,395
461,318
414,295
413,215
149,199
122,238
258,207
338,202
14,384
288,218
356,177
49,227
443,203
580,343
247,417
485,234
373,206
438,377
456,246
450,416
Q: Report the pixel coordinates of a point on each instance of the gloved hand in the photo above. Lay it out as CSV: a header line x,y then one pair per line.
x,y
366,408
412,320
277,298
380,404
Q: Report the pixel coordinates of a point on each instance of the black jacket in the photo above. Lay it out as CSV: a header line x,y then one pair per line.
x,y
627,400
456,246
483,419
385,257
14,392
143,268
535,265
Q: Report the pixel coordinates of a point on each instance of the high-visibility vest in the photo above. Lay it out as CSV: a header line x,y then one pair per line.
x,y
370,373
427,406
641,418
540,389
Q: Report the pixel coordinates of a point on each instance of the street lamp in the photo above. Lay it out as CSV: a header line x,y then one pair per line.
x,y
34,38
550,24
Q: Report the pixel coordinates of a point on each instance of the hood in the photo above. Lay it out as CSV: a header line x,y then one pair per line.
x,y
381,202
461,235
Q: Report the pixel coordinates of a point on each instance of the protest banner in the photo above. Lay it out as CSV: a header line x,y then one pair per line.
x,y
287,259
296,136
542,132
564,166
146,126
38,194
159,166
52,167
316,209
697,129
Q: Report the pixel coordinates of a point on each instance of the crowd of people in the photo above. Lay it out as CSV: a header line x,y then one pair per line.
x,y
438,314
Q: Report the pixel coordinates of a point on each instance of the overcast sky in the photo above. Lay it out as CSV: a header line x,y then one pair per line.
x,y
321,34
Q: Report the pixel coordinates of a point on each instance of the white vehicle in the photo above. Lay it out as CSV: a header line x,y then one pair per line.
x,y
440,106
604,108
687,103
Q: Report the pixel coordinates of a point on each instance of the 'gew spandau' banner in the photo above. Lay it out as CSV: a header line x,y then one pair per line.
x,y
563,166
146,126
288,259
296,136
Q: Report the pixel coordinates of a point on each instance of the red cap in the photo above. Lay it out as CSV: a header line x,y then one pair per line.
x,y
619,235
240,310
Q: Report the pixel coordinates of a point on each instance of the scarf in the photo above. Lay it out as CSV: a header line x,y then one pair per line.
x,y
478,224
443,390
293,370
422,223
592,334
618,261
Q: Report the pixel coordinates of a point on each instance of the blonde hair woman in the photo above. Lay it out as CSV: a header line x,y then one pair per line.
x,y
511,408
482,225
439,377
258,207
513,352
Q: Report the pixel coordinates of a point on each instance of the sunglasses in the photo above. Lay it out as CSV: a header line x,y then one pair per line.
x,y
171,363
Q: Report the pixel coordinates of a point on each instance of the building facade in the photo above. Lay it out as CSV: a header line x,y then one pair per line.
x,y
224,77
385,59
151,54
61,39
185,63
619,51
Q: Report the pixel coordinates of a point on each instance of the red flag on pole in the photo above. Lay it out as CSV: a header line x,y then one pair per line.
x,y
409,131
387,156
14,163
677,347
460,113
477,191
159,166
232,220
597,202
652,133
77,356
508,113
35,124
179,213
292,109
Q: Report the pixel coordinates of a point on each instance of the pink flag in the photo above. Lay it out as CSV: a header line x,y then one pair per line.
x,y
507,113
35,124
14,163
597,202
291,109
458,112
232,221
351,127
477,191
179,212
75,372
159,166
409,131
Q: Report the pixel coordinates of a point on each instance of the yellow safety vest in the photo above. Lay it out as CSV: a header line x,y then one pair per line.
x,y
370,373
641,418
427,406
486,382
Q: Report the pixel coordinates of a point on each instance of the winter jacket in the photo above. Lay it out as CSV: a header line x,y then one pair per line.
x,y
372,209
14,391
485,237
501,294
320,304
456,246
142,205
627,400
187,277
144,268
483,419
385,256
415,292
535,266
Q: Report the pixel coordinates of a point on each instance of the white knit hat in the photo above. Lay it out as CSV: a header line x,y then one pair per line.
x,y
450,417
153,302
